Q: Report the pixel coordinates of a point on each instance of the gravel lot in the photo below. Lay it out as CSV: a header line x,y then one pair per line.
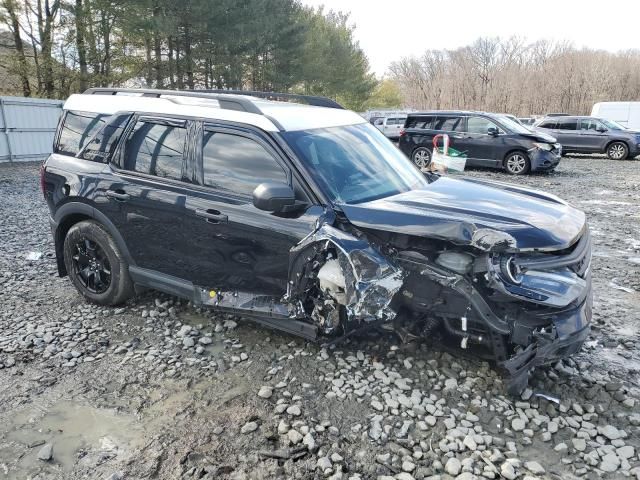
x,y
158,389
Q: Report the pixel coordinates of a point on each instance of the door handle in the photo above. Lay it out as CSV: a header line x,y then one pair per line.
x,y
119,195
212,216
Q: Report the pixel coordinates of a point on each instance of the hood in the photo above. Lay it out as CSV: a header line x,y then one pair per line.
x,y
491,216
540,136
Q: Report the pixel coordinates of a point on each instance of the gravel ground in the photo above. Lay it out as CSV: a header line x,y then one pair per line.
x,y
159,389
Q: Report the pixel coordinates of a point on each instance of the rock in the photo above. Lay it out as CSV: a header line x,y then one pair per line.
x,y
188,342
309,442
450,384
470,443
518,424
249,427
535,468
265,391
609,431
508,471
453,466
294,410
404,476
46,453
376,405
184,330
579,444
205,341
626,452
324,463
408,466
294,436
610,463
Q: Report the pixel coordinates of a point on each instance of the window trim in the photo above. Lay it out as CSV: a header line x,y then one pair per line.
x,y
500,128
231,130
117,160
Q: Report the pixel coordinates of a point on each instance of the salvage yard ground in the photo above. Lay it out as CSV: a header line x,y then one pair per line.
x,y
158,389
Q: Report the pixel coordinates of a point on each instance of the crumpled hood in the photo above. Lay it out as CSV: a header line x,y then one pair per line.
x,y
491,216
540,136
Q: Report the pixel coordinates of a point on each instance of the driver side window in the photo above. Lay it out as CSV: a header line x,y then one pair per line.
x,y
480,125
237,164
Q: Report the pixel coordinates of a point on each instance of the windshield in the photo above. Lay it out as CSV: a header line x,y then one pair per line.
x,y
514,126
354,163
611,125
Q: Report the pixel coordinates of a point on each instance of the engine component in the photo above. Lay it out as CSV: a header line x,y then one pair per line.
x,y
455,261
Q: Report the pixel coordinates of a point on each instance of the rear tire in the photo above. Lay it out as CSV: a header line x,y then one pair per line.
x,y
421,156
95,265
517,163
618,151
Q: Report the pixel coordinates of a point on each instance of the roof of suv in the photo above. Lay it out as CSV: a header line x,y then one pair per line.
x,y
452,112
265,114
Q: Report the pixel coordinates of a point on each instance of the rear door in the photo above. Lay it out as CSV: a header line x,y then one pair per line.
x,y
233,245
148,187
568,135
593,135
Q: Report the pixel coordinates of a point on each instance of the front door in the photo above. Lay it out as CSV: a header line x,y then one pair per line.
x,y
233,245
478,144
593,135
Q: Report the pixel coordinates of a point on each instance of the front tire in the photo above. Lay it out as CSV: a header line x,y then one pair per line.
x,y
517,163
421,156
95,265
618,151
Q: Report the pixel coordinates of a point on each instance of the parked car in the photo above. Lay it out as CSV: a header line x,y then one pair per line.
x,y
309,220
390,126
626,114
527,121
592,135
488,139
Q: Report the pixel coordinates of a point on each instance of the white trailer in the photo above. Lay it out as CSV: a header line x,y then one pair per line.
x,y
626,114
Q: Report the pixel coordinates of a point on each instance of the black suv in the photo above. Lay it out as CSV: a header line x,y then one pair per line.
x,y
592,135
309,220
487,139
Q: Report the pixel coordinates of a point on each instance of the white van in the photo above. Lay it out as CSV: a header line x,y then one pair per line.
x,y
625,113
390,126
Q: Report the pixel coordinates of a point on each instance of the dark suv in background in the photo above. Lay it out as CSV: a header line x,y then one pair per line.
x,y
487,139
592,135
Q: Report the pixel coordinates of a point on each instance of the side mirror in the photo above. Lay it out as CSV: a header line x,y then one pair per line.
x,y
601,129
493,131
273,197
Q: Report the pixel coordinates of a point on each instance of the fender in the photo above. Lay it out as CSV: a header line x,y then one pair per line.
x,y
78,208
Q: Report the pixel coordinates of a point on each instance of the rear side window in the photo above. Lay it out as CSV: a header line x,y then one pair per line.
x,y
448,124
590,124
548,124
156,149
76,131
104,142
424,123
237,164
567,124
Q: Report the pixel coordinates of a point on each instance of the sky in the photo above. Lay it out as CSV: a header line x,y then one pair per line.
x,y
390,29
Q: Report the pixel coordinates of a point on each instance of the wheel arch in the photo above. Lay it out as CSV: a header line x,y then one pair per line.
x,y
74,212
617,140
514,150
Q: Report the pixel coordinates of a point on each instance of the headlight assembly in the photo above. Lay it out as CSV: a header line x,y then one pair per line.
x,y
543,146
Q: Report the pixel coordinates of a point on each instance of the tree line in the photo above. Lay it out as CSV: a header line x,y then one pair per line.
x,y
61,47
519,77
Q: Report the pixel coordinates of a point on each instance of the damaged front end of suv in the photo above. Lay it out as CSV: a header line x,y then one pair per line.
x,y
499,271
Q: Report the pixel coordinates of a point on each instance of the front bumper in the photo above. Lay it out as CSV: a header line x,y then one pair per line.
x,y
543,160
570,329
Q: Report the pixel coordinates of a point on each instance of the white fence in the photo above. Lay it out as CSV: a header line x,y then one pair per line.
x,y
27,128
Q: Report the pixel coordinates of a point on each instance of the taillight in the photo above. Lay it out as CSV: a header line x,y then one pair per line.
x,y
402,132
43,186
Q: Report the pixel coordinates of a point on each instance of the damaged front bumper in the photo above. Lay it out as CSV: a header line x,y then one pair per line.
x,y
569,330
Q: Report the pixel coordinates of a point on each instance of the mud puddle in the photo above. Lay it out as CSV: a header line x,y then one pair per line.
x,y
75,431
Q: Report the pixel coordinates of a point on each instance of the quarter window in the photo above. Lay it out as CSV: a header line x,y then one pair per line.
x,y
156,149
77,129
237,164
